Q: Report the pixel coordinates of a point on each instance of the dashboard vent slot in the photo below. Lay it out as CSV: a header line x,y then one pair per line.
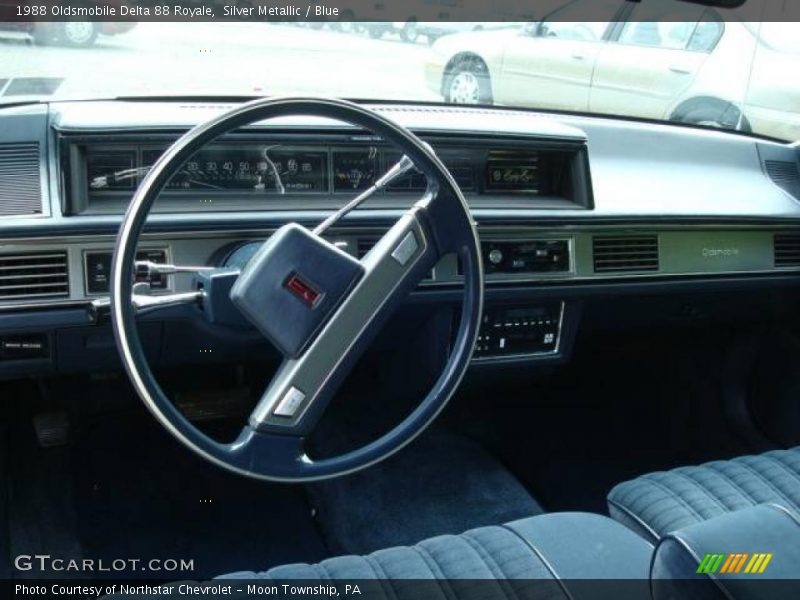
x,y
39,275
787,249
20,183
365,244
785,174
625,254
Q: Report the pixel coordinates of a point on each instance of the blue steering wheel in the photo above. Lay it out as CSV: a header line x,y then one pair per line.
x,y
318,305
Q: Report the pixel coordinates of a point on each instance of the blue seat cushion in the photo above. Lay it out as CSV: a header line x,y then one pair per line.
x,y
538,557
658,503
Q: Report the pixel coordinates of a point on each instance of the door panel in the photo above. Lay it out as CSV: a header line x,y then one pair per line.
x,y
655,59
550,65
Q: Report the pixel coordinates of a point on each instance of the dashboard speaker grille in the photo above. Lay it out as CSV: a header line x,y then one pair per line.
x,y
785,174
20,183
787,249
625,254
39,275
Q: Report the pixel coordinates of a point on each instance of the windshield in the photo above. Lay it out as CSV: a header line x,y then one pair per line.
x,y
656,59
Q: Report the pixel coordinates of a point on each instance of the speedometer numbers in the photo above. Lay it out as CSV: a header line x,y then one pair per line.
x,y
250,167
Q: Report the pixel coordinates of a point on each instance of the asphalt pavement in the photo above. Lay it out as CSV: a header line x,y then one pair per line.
x,y
228,59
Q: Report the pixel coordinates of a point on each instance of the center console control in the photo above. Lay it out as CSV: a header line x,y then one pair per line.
x,y
519,331
97,269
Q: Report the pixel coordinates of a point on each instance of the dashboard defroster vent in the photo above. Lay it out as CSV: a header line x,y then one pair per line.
x,y
20,183
625,254
39,275
787,249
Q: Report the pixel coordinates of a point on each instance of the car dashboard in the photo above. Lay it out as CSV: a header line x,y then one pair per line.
x,y
567,207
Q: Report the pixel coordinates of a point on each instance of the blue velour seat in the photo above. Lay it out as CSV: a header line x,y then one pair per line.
x,y
659,503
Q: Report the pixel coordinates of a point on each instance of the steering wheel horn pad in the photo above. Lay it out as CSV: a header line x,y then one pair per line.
x,y
336,304
292,285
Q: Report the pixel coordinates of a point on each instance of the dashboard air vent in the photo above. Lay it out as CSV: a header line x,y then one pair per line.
x,y
785,174
787,249
365,244
39,275
625,254
20,183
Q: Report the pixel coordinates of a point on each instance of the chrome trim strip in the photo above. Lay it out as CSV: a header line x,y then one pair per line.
x,y
440,280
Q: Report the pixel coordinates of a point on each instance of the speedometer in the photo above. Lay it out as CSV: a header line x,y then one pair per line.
x,y
354,170
273,169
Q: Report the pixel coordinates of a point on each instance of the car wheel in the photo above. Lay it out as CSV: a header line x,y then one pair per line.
x,y
376,32
712,113
78,34
468,83
409,33
43,34
346,23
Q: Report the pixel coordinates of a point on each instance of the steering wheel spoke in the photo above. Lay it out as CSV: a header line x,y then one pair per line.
x,y
255,450
304,386
450,232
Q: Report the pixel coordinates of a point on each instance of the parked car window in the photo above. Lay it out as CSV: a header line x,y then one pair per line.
x,y
558,25
662,24
661,35
707,33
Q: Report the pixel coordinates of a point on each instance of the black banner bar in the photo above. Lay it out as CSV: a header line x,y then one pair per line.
x,y
380,589
382,10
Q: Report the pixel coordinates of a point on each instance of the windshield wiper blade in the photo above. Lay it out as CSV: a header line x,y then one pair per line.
x,y
186,98
14,103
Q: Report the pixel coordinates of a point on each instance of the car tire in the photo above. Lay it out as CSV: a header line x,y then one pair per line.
x,y
712,113
44,34
409,33
468,82
77,34
347,23
375,33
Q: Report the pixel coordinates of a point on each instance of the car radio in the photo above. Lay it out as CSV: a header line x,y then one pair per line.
x,y
520,331
526,256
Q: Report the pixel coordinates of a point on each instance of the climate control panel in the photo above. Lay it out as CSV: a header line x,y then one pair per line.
x,y
520,331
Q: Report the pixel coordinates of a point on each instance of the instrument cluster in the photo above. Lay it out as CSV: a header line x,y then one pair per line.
x,y
253,167
248,172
